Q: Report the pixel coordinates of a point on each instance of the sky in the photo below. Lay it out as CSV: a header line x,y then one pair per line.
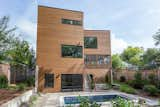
x,y
131,22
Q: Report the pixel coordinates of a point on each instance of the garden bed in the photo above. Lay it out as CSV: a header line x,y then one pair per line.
x,y
6,94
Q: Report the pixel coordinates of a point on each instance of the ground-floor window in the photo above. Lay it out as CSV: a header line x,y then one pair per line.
x,y
49,80
71,82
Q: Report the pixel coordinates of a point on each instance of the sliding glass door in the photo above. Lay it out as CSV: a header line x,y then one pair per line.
x,y
71,82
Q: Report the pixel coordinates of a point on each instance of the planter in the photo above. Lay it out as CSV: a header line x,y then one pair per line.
x,y
16,102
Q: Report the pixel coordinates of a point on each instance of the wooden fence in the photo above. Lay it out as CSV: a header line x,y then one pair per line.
x,y
129,74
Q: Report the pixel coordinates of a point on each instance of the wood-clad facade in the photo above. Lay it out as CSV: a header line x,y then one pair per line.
x,y
52,34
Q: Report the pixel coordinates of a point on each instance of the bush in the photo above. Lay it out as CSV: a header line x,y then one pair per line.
x,y
120,102
127,89
30,81
3,81
138,83
122,79
152,79
106,78
84,102
21,87
11,87
151,89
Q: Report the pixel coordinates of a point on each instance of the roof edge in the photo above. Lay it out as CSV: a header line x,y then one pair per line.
x,y
59,8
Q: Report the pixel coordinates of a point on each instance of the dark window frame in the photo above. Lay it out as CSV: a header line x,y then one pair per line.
x,y
47,81
71,56
71,22
91,47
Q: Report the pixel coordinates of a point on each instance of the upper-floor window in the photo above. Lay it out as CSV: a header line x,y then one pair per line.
x,y
97,59
71,22
72,51
90,42
49,80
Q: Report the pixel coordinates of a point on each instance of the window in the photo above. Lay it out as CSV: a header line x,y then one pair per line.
x,y
90,42
49,80
71,82
71,22
97,59
72,51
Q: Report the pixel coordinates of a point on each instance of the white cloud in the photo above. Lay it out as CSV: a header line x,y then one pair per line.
x,y
27,27
28,30
117,44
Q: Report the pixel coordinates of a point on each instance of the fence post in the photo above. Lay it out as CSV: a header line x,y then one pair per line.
x,y
36,78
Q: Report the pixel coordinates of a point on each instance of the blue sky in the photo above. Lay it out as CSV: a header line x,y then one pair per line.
x,y
132,22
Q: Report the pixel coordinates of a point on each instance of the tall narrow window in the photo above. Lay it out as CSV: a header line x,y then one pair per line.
x,y
90,42
49,80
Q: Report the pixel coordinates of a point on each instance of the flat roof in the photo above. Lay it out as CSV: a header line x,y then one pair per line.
x,y
59,8
97,30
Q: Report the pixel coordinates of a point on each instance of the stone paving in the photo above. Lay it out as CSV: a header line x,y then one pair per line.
x,y
53,99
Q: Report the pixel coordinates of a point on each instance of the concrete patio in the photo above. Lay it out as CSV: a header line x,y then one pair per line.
x,y
53,99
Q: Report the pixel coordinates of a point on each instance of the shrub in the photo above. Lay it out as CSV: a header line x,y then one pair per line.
x,y
3,81
122,79
127,89
138,83
152,79
119,102
158,84
21,87
151,89
11,87
84,102
106,78
30,81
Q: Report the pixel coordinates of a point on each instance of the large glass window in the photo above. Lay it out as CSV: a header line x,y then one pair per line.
x,y
90,42
97,59
71,82
49,80
72,51
71,22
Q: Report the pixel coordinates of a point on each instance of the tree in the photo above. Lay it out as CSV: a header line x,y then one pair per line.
x,y
156,37
6,37
150,57
12,49
132,55
117,62
22,54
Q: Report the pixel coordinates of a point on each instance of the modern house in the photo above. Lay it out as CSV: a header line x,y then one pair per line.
x,y
67,55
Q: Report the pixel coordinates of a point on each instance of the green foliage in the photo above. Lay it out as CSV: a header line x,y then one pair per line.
x,y
119,102
117,62
3,81
138,82
11,87
13,50
156,37
21,87
30,81
153,79
106,78
127,89
151,89
150,58
122,78
84,102
32,100
132,55
6,35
